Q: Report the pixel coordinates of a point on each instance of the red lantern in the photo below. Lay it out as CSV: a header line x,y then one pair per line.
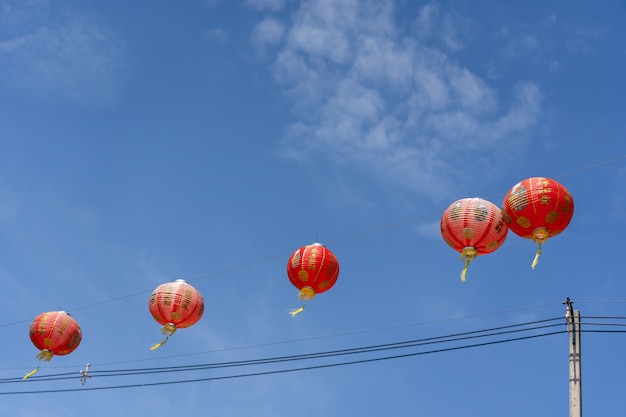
x,y
54,333
538,208
473,227
175,305
312,269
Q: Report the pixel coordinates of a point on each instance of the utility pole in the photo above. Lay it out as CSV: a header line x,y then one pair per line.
x,y
575,375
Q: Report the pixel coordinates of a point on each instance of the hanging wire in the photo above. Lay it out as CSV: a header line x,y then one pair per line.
x,y
492,332
455,337
539,327
311,367
283,256
323,337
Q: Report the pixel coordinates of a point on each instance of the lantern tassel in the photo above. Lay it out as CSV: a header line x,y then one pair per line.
x,y
45,355
161,343
534,264
31,373
468,253
296,311
464,271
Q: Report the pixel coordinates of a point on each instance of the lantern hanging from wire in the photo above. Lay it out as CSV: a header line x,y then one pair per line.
x,y
54,333
538,208
175,305
473,227
313,269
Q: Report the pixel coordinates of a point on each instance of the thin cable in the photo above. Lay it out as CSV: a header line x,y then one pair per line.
x,y
335,335
348,237
265,373
602,331
385,227
456,337
599,301
589,167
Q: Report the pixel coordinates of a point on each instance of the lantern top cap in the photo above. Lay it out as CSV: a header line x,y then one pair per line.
x,y
316,244
181,280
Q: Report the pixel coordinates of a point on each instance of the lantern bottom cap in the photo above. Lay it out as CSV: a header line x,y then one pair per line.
x,y
45,355
540,234
306,293
469,252
169,329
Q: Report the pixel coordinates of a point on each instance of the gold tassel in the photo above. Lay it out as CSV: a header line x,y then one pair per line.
x,y
534,264
464,271
168,330
295,311
468,253
31,373
158,345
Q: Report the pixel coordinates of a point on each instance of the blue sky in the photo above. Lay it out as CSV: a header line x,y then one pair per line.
x,y
141,142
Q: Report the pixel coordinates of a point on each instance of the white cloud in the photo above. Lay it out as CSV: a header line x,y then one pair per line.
x,y
76,59
397,106
320,42
268,32
217,35
273,5
432,23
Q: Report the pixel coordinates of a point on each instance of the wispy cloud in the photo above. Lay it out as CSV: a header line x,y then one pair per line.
x,y
217,36
269,32
398,103
273,5
72,58
440,26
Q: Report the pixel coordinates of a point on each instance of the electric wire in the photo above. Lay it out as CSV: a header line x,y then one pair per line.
x,y
279,371
543,324
321,337
456,337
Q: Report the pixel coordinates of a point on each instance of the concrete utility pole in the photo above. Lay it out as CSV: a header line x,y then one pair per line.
x,y
575,375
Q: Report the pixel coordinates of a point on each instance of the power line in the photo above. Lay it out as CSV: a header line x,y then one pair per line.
x,y
272,372
456,337
323,337
492,332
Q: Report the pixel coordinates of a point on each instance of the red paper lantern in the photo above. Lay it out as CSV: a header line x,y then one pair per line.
x,y
312,269
538,208
175,305
473,227
54,333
